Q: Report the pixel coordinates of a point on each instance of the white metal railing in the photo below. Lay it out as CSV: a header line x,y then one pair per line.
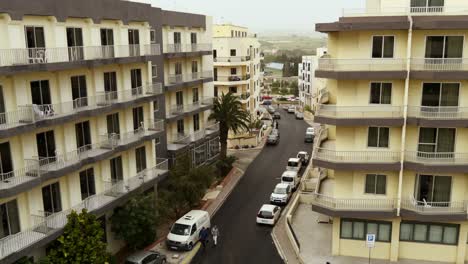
x,y
154,125
357,156
46,223
19,176
232,59
178,47
321,136
405,11
212,127
444,158
353,204
324,97
180,109
424,207
180,138
376,64
438,112
232,78
370,111
27,56
439,64
188,77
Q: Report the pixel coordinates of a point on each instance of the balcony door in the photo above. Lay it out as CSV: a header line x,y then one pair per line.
x,y
134,42
35,42
75,44
138,118
195,95
193,41
440,97
51,198
444,50
110,85
9,214
140,156
427,6
79,91
113,124
116,169
177,42
6,163
107,43
180,127
180,100
435,190
3,118
83,136
40,93
87,183
46,146
436,142
136,83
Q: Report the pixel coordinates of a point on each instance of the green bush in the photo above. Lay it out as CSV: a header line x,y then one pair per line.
x,y
225,166
307,108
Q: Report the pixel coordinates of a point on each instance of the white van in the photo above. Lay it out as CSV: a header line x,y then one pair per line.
x,y
184,233
291,178
294,164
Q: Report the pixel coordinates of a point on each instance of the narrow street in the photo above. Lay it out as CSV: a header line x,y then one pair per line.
x,y
242,240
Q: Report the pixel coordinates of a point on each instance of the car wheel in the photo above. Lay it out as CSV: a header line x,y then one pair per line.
x,y
190,247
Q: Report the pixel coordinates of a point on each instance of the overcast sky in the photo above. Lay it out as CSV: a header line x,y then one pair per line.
x,y
262,16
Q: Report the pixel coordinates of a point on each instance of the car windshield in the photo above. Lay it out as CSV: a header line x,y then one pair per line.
x,y
292,164
272,136
280,190
301,156
310,130
180,229
288,179
265,214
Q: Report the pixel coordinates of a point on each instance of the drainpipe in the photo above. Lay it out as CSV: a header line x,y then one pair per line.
x,y
405,111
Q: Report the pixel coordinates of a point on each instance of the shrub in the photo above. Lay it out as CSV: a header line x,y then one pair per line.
x,y
225,166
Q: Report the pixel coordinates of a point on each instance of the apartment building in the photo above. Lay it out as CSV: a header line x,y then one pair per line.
x,y
392,152
311,90
237,57
86,110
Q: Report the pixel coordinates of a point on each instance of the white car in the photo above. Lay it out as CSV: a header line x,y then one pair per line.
x,y
268,214
294,164
310,130
281,194
292,109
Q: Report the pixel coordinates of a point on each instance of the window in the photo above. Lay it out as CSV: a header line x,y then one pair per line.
x,y
113,124
157,141
196,122
434,191
110,85
233,89
381,93
51,198
40,93
136,82
156,106
79,93
138,117
357,229
233,71
435,95
177,38
75,44
35,42
426,6
6,163
429,232
376,184
436,140
134,42
193,38
216,91
233,53
179,98
46,145
87,184
2,105
194,66
10,219
178,68
378,137
140,159
444,47
116,169
107,42
180,126
382,46
154,73
195,95
83,136
153,36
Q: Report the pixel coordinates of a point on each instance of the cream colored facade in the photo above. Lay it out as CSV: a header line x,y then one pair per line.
x,y
392,147
237,64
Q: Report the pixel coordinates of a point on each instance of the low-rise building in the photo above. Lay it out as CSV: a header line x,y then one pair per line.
x,y
311,89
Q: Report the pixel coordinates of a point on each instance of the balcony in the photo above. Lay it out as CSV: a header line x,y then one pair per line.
x,y
378,115
180,141
434,211
439,69
356,160
47,227
232,80
40,169
53,59
436,162
438,116
187,50
30,117
355,69
175,81
406,11
203,104
232,61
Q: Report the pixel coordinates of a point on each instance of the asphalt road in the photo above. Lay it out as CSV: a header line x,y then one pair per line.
x,y
241,239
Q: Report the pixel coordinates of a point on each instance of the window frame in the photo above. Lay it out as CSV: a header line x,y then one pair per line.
x,y
381,91
378,137
376,176
366,222
153,36
428,225
437,139
383,46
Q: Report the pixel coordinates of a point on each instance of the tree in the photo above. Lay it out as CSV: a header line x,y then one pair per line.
x,y
81,242
254,123
135,221
227,110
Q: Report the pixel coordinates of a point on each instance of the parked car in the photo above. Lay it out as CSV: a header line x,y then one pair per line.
x,y
267,102
294,164
268,214
291,109
309,137
146,257
285,107
276,115
291,178
299,115
310,130
184,233
273,139
271,109
281,194
304,157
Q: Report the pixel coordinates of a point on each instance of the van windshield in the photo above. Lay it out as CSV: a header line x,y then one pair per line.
x,y
180,229
288,179
292,164
280,190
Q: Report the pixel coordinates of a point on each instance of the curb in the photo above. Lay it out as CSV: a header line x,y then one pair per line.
x,y
191,255
278,247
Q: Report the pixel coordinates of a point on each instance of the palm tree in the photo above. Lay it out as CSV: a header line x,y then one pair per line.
x,y
227,110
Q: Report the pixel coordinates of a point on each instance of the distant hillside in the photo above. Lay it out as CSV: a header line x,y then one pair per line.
x,y
299,44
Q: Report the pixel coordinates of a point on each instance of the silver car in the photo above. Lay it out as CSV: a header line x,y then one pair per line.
x,y
146,257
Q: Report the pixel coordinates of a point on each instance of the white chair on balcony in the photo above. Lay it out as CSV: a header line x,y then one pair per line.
x,y
38,113
425,203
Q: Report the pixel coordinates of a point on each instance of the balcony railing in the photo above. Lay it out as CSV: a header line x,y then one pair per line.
x,y
441,158
405,11
354,204
180,109
423,207
187,138
27,56
188,77
154,125
179,48
380,64
438,112
357,156
439,64
45,223
232,78
26,114
232,59
371,111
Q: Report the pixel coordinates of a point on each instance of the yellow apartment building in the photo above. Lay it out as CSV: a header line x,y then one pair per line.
x,y
393,143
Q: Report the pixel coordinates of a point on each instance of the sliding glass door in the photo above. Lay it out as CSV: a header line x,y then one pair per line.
x,y
444,49
433,190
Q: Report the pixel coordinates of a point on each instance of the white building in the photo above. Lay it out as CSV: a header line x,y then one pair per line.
x,y
310,87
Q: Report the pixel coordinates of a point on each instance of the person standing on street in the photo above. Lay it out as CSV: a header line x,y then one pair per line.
x,y
203,236
215,234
